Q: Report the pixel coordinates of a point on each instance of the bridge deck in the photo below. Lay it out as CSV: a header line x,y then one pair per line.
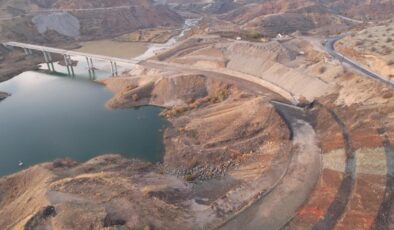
x,y
68,52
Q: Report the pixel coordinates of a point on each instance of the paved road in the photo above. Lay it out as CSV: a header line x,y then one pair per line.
x,y
280,205
227,74
329,47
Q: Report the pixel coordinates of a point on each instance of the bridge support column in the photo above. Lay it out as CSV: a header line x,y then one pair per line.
x,y
26,51
51,61
70,62
66,63
47,60
112,68
69,65
116,68
89,61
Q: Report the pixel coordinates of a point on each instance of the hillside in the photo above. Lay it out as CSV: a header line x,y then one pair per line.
x,y
45,21
269,18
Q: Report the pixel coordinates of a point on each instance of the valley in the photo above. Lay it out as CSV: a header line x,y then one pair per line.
x,y
235,115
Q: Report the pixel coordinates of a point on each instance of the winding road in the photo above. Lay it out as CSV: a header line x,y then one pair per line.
x,y
329,46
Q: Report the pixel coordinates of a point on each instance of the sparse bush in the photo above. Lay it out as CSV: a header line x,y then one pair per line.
x,y
373,49
190,177
253,35
387,51
389,40
359,43
391,62
322,69
370,36
387,95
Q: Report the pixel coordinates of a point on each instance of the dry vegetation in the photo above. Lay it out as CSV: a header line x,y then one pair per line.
x,y
373,46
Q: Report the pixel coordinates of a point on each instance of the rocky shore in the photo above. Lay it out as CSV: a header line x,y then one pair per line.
x,y
3,95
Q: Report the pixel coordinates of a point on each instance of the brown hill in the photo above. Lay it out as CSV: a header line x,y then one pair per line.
x,y
100,19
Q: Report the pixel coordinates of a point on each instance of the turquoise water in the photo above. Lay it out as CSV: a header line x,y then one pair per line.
x,y
50,117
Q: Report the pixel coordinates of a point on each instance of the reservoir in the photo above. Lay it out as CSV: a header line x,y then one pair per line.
x,y
126,50
52,116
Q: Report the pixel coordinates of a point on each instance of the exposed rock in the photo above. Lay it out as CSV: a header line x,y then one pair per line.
x,y
3,96
63,23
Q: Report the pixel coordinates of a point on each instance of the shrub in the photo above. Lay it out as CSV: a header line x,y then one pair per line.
x,y
253,35
391,62
389,40
359,43
387,95
322,69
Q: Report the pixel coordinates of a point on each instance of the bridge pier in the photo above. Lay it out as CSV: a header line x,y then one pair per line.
x,y
28,51
69,65
48,60
92,74
114,68
48,51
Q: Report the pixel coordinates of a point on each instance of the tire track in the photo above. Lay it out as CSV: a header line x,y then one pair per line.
x,y
382,221
338,206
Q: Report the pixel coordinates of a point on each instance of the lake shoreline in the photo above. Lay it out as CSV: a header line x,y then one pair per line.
x,y
3,95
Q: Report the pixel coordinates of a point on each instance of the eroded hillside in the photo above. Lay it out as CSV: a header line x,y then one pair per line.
x,y
266,131
68,21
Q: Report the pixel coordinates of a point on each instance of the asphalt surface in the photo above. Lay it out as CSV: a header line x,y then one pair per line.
x,y
329,47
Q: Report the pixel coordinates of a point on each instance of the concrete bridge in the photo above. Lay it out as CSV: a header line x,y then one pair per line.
x,y
47,51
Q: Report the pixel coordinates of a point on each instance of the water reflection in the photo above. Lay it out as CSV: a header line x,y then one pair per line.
x,y
49,117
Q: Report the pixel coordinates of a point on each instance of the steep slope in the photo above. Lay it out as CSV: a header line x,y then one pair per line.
x,y
54,20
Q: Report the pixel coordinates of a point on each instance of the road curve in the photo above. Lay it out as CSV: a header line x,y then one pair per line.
x,y
329,46
276,208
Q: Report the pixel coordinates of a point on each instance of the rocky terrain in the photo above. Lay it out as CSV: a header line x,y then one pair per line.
x,y
68,21
200,166
265,132
156,35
